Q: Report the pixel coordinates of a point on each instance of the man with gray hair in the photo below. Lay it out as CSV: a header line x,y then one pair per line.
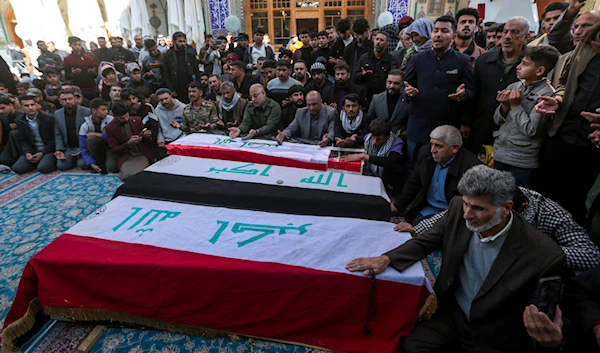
x,y
231,105
494,71
434,181
493,260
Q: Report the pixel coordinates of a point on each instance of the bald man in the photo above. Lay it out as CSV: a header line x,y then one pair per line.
x,y
581,27
564,35
261,116
315,122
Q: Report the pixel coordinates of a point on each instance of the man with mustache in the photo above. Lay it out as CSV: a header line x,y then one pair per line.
x,y
334,94
493,260
180,67
494,71
319,79
438,86
464,42
296,97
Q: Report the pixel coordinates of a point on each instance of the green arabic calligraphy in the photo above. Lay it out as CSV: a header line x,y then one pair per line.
x,y
240,170
224,141
328,176
262,229
150,216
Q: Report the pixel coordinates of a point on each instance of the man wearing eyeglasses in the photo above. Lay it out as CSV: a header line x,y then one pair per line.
x,y
261,116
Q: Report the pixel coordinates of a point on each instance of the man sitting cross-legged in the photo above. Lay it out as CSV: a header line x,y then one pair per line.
x,y
36,133
94,148
434,181
315,122
127,139
493,260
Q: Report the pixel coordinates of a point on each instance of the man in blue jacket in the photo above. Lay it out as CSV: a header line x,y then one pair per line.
x,y
437,85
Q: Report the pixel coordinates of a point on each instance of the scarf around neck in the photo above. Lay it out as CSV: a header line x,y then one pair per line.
x,y
382,151
229,106
351,125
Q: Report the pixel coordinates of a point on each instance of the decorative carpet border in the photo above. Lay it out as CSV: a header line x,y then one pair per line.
x,y
26,323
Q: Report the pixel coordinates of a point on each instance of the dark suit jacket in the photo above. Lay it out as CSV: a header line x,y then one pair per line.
x,y
244,88
496,318
436,79
330,94
379,109
415,189
46,128
117,141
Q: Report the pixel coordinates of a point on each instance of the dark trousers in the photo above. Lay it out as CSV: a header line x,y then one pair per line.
x,y
46,165
412,150
447,331
102,154
71,161
566,175
12,151
522,175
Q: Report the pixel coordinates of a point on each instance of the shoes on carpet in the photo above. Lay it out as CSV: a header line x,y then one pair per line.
x,y
4,169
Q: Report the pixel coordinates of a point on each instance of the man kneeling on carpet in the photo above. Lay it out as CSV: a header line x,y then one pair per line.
x,y
128,139
94,148
36,133
493,260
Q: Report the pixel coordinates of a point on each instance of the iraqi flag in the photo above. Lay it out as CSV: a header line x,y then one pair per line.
x,y
187,267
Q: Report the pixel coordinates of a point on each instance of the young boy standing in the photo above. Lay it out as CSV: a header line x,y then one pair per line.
x,y
522,130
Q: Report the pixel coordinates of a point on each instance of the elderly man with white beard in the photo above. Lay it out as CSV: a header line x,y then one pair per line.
x,y
493,260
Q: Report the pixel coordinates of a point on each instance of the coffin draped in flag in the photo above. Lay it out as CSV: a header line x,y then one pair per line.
x,y
261,187
196,269
287,154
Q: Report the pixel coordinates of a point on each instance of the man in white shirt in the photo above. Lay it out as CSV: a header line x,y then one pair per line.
x,y
257,50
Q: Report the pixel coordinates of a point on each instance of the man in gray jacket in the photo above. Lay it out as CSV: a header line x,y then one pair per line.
x,y
68,120
169,109
315,122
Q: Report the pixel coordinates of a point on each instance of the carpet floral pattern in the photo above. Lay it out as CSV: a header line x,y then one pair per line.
x,y
35,210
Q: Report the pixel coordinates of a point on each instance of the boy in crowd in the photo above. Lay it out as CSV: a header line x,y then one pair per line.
x,y
134,72
522,128
53,87
152,64
94,149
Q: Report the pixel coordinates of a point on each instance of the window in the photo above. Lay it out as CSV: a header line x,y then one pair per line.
x,y
435,7
259,19
281,4
333,3
332,17
281,25
354,15
360,3
258,4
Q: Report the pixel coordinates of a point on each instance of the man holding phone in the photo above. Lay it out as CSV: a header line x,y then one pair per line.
x,y
373,67
127,138
493,260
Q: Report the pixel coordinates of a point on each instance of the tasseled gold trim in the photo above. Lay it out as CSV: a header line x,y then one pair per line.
x,y
23,325
430,306
20,327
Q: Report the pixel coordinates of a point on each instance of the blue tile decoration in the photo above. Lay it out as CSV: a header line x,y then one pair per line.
x,y
219,11
398,8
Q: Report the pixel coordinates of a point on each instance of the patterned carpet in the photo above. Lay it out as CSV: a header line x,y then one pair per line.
x,y
36,209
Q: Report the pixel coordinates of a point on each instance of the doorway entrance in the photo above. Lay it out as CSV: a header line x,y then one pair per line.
x,y
312,24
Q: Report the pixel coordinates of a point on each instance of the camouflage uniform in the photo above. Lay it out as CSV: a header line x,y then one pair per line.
x,y
193,120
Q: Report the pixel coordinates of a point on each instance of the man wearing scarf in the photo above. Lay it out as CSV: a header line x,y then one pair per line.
x,y
420,32
231,105
353,124
383,152
570,161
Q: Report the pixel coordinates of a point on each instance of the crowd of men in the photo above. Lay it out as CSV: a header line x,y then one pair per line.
x,y
485,135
